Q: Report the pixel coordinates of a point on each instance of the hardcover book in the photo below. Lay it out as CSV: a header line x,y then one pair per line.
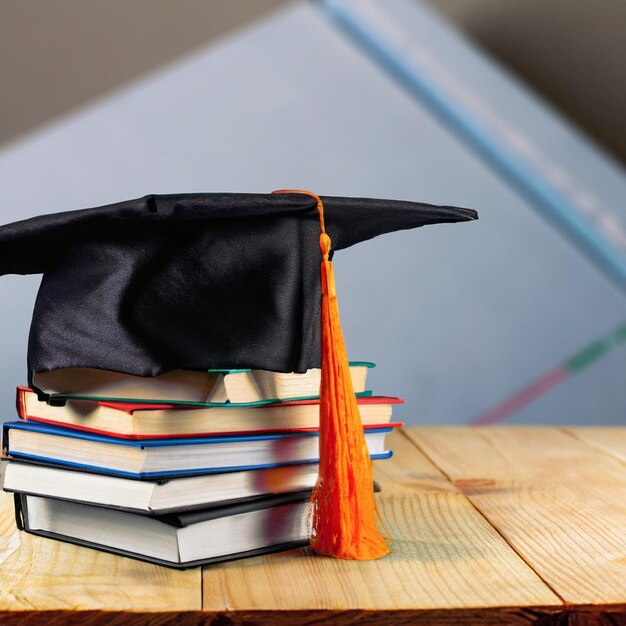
x,y
154,496
182,540
162,458
143,421
244,386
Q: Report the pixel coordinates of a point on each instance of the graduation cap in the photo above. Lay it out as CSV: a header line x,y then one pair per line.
x,y
213,281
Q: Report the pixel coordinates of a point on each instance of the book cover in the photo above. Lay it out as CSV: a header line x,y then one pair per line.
x,y
131,420
23,522
147,444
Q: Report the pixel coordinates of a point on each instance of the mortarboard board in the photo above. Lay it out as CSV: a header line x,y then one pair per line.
x,y
190,281
205,281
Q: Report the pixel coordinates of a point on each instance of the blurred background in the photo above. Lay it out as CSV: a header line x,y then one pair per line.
x,y
512,107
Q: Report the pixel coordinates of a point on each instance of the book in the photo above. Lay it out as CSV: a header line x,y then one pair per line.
x,y
142,421
181,540
244,386
212,387
156,458
155,496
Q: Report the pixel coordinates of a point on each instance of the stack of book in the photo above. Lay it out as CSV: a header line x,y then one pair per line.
x,y
179,469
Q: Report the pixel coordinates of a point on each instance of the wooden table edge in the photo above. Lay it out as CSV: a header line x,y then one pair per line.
x,y
544,615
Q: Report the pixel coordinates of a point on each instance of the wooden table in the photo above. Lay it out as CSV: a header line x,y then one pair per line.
x,y
490,526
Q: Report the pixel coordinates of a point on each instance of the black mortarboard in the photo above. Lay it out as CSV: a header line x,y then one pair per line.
x,y
190,281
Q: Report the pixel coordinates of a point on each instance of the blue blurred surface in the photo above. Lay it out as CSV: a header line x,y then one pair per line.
x,y
295,102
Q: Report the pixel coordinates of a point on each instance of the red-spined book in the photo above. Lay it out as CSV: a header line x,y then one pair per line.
x,y
130,420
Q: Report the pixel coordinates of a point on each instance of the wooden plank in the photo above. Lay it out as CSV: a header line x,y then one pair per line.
x,y
69,617
43,574
495,616
409,472
609,440
558,502
445,556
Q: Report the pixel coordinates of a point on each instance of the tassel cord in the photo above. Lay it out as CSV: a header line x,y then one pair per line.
x,y
343,505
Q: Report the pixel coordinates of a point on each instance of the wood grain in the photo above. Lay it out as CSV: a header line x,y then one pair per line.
x,y
560,503
445,556
485,616
612,441
557,497
44,574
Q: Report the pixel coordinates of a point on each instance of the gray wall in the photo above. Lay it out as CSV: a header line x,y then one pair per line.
x,y
56,55
571,51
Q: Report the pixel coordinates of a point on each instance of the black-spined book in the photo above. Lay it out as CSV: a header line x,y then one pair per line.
x,y
182,540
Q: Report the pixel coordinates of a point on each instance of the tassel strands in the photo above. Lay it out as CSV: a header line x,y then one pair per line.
x,y
343,506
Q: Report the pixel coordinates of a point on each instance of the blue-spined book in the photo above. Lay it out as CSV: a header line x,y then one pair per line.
x,y
150,458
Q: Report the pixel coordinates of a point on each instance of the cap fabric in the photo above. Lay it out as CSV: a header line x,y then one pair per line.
x,y
190,281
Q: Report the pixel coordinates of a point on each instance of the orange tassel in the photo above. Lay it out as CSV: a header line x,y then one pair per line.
x,y
343,506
